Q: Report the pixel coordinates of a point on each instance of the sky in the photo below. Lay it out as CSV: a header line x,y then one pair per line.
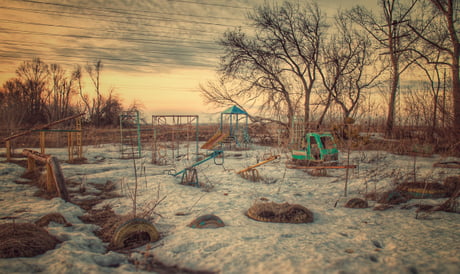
x,y
154,52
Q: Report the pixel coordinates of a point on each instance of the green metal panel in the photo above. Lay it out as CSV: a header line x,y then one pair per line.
x,y
323,151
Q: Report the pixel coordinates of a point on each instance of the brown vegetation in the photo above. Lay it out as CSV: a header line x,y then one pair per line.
x,y
24,240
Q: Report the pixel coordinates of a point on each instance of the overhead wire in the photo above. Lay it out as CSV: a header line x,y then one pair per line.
x,y
118,16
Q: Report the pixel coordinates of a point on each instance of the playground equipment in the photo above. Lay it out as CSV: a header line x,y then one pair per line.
x,y
319,148
74,137
215,140
130,133
232,132
320,152
134,232
190,174
55,182
251,173
297,133
169,131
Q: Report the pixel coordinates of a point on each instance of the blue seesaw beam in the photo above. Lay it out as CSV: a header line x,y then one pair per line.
x,y
213,155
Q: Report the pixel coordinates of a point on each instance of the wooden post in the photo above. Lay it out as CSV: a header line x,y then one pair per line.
x,y
50,183
79,137
31,166
58,178
42,142
70,146
8,150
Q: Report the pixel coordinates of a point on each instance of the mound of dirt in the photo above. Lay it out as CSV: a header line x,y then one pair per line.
x,y
109,222
422,190
393,197
279,213
452,185
357,203
24,240
52,217
106,219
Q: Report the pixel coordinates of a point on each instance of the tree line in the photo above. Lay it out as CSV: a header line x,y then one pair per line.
x,y
41,93
290,61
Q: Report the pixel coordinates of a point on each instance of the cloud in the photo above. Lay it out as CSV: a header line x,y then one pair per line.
x,y
134,35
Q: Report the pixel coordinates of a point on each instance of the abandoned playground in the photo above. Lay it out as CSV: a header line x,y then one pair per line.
x,y
177,195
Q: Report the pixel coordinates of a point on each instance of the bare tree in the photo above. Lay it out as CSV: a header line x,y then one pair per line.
x,y
77,75
392,33
277,65
433,74
438,28
347,66
34,76
94,71
12,105
103,110
62,91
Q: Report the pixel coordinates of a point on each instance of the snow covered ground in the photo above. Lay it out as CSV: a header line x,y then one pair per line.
x,y
340,240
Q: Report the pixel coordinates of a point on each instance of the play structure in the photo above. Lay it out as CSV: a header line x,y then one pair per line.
x,y
174,137
74,136
251,173
130,133
190,174
319,148
297,133
320,152
233,131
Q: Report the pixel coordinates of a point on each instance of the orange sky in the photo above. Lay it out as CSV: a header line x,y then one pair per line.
x,y
156,52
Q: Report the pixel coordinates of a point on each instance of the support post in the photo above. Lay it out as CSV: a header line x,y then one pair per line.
x,y
42,142
70,146
31,166
8,150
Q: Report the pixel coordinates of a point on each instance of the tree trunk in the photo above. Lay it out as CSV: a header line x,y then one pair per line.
x,y
455,63
392,102
456,94
307,111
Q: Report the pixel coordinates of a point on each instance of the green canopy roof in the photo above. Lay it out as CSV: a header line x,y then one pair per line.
x,y
234,110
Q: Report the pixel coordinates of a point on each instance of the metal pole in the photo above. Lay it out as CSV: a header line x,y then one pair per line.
x,y
139,145
197,137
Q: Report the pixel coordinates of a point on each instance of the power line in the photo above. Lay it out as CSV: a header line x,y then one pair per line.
x,y
136,12
179,49
105,16
107,31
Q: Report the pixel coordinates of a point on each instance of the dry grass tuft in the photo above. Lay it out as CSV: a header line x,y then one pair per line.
x,y
24,240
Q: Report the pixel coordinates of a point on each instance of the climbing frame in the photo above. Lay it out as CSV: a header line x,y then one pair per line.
x,y
130,134
173,136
